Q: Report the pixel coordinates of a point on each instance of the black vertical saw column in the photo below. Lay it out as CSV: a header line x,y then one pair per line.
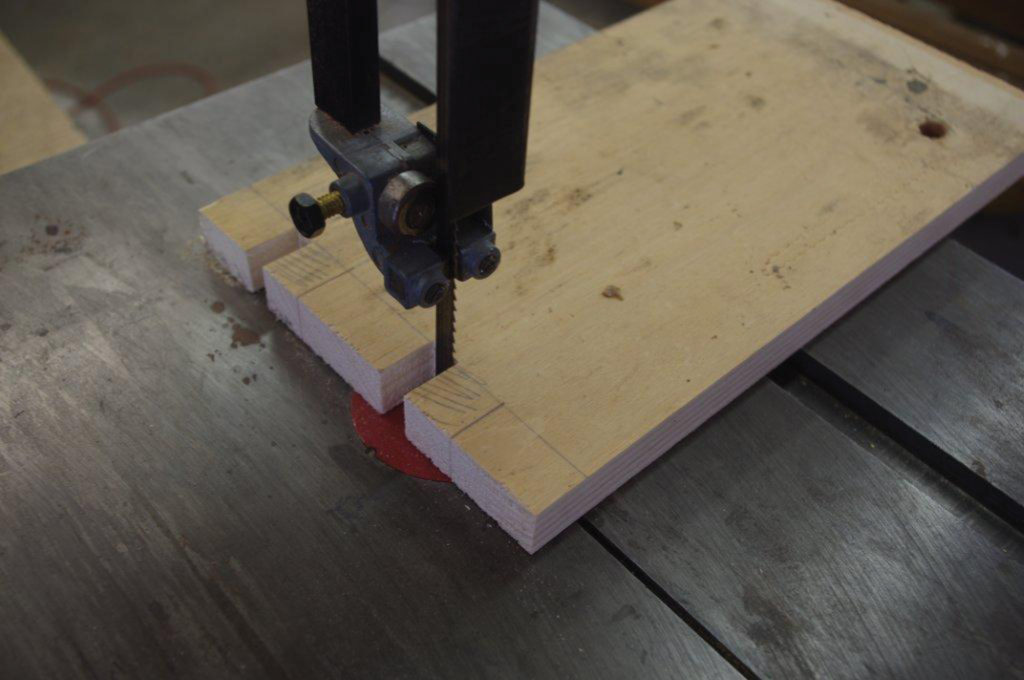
x,y
346,61
485,72
485,54
420,202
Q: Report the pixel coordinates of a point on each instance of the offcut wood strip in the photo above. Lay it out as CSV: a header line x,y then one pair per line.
x,y
332,297
32,126
250,228
323,259
710,185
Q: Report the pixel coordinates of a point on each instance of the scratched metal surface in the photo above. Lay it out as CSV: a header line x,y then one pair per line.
x,y
181,492
937,358
807,556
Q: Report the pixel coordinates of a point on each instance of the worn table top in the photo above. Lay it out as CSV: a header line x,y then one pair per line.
x,y
953,386
182,494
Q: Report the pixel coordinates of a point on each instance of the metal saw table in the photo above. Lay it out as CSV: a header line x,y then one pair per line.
x,y
182,493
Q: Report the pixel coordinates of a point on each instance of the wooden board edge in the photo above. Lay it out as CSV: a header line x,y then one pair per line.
x,y
246,265
227,252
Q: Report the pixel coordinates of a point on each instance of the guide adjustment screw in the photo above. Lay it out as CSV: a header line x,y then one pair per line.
x,y
310,215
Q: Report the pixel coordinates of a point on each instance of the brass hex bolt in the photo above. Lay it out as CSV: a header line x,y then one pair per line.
x,y
310,215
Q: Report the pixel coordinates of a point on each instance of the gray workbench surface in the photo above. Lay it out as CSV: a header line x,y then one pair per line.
x,y
162,517
174,502
952,387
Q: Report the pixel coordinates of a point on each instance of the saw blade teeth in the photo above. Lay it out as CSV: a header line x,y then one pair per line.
x,y
445,320
445,342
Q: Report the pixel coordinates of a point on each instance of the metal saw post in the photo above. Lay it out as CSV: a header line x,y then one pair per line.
x,y
422,203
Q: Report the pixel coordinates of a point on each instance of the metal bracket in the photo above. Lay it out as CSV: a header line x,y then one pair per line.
x,y
388,183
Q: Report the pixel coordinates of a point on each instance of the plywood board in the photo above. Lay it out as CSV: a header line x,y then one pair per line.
x,y
710,185
32,126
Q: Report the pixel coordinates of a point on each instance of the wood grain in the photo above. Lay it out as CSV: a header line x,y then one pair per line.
x,y
411,49
324,292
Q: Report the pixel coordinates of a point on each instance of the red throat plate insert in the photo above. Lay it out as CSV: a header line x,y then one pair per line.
x,y
385,434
